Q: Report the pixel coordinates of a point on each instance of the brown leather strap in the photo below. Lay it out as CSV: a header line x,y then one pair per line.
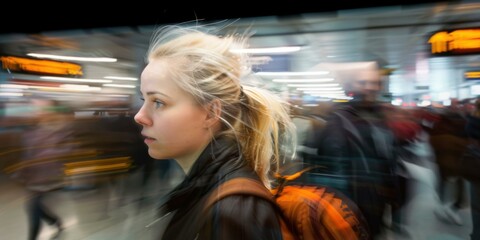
x,y
239,186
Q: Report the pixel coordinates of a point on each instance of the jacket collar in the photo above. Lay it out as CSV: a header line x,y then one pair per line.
x,y
219,159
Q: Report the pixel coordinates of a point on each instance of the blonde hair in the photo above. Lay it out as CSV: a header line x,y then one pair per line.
x,y
209,70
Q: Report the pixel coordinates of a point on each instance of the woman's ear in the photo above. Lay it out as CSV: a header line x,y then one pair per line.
x,y
214,109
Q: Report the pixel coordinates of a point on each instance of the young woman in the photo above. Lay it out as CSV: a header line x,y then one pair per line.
x,y
197,112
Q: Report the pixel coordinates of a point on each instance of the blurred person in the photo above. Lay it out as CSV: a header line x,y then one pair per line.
x,y
414,154
471,165
197,112
358,147
449,140
45,145
408,136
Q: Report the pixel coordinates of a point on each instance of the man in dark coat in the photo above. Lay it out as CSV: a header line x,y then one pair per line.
x,y
358,147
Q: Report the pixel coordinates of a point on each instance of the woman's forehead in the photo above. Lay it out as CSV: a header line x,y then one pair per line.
x,y
158,77
155,68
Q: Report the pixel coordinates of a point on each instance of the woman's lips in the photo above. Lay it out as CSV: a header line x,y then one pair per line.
x,y
148,139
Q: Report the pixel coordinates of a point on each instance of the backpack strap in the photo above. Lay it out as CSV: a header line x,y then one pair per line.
x,y
248,186
239,186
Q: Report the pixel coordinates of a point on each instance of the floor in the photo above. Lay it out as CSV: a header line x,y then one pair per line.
x,y
116,210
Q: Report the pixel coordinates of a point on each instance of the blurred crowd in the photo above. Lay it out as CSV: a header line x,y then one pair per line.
x,y
364,147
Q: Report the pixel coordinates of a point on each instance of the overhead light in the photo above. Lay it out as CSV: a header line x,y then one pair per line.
x,y
328,95
324,92
292,73
119,85
270,50
260,60
306,80
13,86
319,89
10,94
64,79
72,58
121,78
117,95
314,85
77,87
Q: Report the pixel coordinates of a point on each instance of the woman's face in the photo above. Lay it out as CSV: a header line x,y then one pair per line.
x,y
174,125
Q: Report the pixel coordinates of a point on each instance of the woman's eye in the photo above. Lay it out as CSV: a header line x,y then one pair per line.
x,y
143,99
158,103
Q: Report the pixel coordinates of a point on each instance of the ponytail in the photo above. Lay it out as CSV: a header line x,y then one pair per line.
x,y
267,136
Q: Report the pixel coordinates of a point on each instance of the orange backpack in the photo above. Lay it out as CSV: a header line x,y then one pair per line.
x,y
308,212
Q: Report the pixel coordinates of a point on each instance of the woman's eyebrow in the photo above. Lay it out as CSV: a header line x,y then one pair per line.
x,y
155,93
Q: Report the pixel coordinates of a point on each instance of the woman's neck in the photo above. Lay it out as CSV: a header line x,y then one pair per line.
x,y
186,162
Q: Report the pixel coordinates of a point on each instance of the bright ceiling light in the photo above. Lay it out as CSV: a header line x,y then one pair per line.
x,y
64,79
77,87
313,80
324,92
319,89
292,73
119,85
10,94
314,85
270,50
121,78
13,86
71,58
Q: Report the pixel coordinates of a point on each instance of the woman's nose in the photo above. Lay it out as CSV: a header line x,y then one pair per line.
x,y
141,118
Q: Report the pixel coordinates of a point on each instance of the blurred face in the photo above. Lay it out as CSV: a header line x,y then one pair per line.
x,y
43,110
368,84
174,125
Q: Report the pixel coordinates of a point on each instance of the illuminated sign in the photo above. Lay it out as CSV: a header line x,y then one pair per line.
x,y
460,41
474,75
40,66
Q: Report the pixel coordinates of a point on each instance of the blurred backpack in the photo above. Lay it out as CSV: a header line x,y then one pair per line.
x,y
307,212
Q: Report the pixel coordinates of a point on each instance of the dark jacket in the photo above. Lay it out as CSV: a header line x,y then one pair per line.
x,y
356,142
234,217
358,152
472,127
471,158
449,141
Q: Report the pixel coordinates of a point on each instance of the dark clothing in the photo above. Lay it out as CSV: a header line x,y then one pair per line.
x,y
36,212
471,159
475,201
472,127
449,141
471,165
358,150
46,146
234,217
